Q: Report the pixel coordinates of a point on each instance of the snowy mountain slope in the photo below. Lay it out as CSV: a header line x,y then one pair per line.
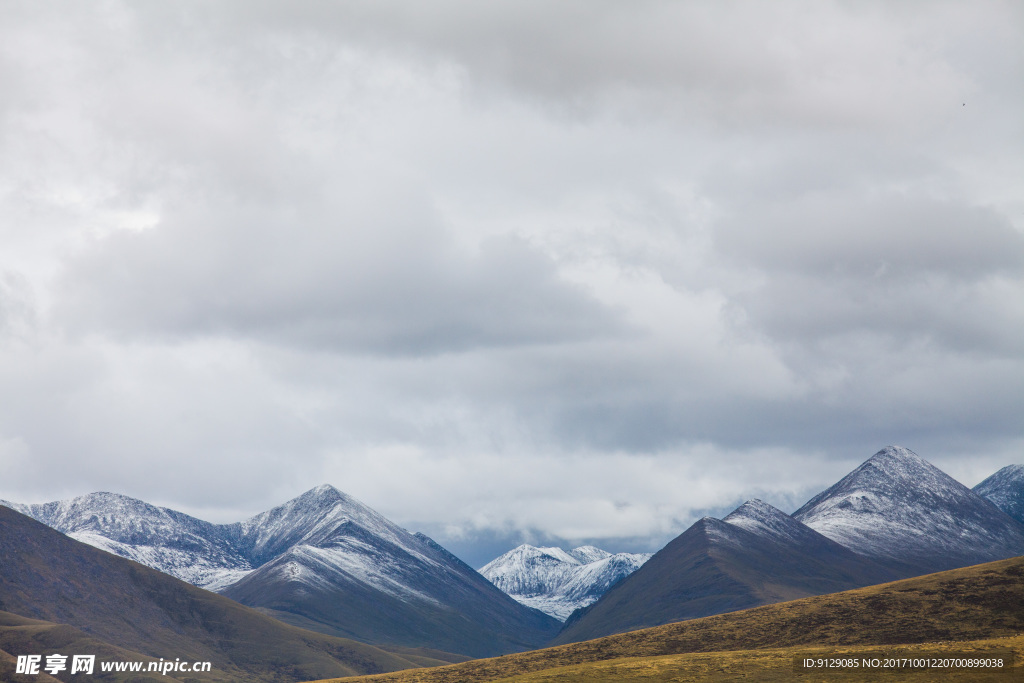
x,y
1005,489
768,521
899,509
588,553
383,585
558,582
313,519
323,561
184,547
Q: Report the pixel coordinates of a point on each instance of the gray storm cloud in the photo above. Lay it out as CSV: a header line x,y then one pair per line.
x,y
506,270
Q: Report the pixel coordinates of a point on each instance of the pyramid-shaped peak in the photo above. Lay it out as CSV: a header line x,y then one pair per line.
x,y
892,472
326,502
323,498
313,518
898,456
898,507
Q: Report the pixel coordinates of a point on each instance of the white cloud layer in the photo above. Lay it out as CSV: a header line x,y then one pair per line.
x,y
576,271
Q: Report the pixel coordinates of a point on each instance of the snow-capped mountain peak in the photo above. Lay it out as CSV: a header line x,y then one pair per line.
x,y
311,519
900,508
767,521
558,582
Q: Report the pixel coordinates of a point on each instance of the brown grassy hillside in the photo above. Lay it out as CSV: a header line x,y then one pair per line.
x,y
977,603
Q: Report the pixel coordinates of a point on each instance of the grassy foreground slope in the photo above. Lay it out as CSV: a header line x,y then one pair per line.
x,y
21,635
776,665
980,607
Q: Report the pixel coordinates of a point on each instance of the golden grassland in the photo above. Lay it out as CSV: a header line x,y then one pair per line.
x,y
777,664
975,609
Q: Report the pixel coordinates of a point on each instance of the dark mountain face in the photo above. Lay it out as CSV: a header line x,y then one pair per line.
x,y
322,561
330,563
898,509
1005,490
357,585
48,576
756,556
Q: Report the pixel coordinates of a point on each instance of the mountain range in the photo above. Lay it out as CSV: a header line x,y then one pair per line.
x,y
894,516
328,563
558,582
323,561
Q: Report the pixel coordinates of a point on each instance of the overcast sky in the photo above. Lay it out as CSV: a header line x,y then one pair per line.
x,y
505,271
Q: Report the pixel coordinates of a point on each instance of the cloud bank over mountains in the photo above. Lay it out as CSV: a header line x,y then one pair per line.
x,y
579,271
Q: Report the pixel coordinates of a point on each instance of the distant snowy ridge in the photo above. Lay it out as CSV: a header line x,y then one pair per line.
x,y
558,582
1005,489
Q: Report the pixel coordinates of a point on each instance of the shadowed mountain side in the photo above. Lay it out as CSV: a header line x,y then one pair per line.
x,y
451,608
973,603
716,567
46,575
